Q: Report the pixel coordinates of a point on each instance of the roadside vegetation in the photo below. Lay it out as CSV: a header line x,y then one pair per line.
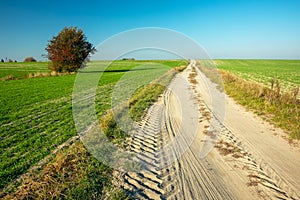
x,y
36,117
281,108
145,96
71,174
141,99
287,72
270,88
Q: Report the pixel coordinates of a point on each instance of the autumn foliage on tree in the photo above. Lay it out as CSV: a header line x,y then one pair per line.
x,y
68,50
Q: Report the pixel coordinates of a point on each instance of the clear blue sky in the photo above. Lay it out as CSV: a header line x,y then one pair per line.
x,y
226,29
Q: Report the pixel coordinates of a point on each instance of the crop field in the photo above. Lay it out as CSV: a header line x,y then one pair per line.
x,y
22,70
263,71
36,114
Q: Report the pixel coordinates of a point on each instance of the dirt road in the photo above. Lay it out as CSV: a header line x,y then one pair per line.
x,y
249,158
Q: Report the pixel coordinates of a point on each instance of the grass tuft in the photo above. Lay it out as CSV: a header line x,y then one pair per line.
x,y
111,130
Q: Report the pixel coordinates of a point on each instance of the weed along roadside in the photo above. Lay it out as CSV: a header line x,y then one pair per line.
x,y
279,107
268,96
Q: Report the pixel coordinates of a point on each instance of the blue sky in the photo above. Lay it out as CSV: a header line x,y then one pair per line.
x,y
226,29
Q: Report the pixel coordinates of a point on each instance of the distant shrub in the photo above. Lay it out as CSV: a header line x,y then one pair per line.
x,y
29,59
10,60
2,60
128,59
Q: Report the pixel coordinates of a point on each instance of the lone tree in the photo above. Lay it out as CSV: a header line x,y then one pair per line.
x,y
68,50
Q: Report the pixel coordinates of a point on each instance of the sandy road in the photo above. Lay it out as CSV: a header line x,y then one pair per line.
x,y
244,164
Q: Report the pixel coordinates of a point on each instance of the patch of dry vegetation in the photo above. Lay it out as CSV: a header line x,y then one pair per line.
x,y
282,108
180,68
192,76
37,75
8,78
226,148
72,174
46,74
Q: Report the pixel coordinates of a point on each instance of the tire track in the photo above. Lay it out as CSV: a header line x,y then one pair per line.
x,y
267,182
152,182
168,174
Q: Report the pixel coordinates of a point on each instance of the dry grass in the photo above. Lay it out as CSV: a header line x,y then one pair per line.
x,y
192,76
225,148
281,108
272,94
65,177
8,78
46,74
181,68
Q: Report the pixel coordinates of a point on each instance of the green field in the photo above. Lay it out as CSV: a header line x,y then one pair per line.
x,y
36,114
263,71
23,69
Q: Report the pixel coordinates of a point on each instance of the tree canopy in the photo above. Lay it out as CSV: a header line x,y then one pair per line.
x,y
69,50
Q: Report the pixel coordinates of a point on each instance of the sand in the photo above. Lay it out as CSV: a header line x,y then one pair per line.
x,y
187,150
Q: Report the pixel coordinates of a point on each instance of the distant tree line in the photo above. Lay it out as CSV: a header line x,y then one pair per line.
x,y
128,59
8,60
28,59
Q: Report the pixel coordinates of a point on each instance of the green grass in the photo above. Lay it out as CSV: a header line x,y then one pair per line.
x,y
145,96
36,114
249,83
23,69
263,71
